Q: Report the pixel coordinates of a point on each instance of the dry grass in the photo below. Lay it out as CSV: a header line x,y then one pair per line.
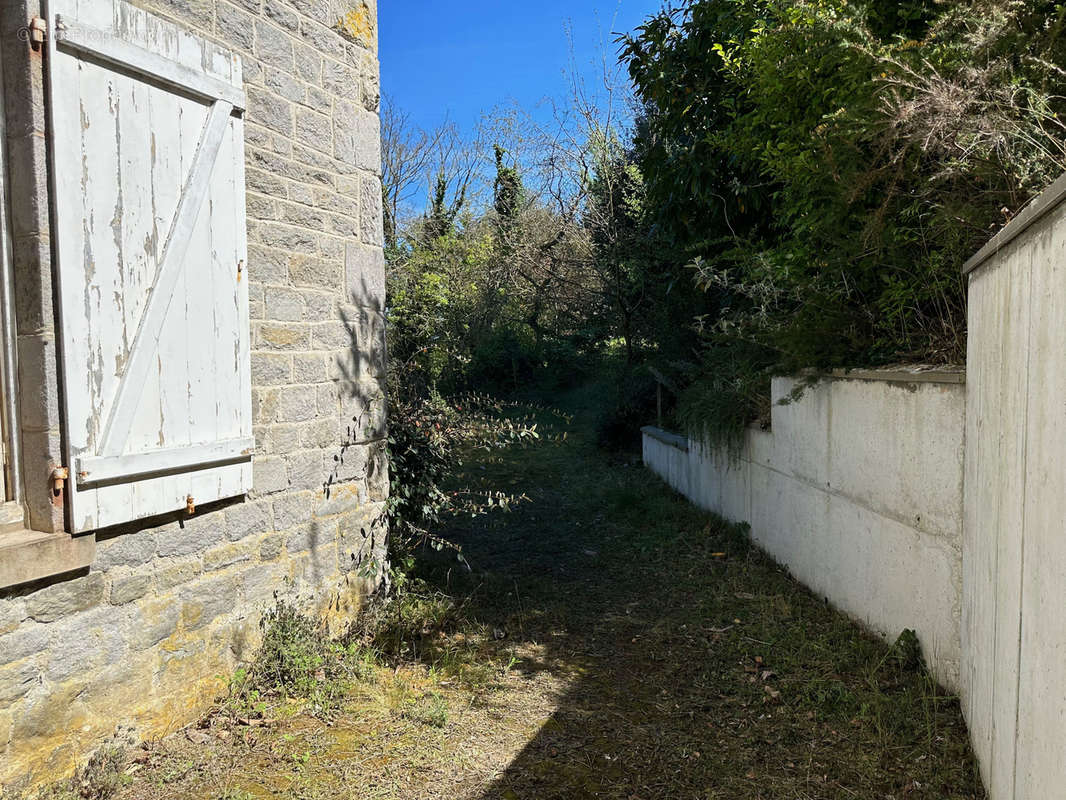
x,y
611,642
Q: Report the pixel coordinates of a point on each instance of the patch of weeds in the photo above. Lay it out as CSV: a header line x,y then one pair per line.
x,y
425,625
297,660
235,794
399,695
832,698
400,626
430,709
99,779
907,652
243,699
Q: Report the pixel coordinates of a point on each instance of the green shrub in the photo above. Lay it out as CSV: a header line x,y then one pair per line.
x,y
297,659
428,436
504,361
828,167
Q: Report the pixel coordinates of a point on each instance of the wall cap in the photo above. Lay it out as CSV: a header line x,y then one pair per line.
x,y
918,373
667,438
1039,208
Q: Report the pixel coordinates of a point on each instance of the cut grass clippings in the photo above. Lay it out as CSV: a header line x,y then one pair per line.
x,y
610,641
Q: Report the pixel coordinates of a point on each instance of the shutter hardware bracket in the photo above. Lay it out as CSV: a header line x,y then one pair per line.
x,y
38,32
59,477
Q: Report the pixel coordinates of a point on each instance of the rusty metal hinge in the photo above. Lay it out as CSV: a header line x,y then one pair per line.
x,y
190,505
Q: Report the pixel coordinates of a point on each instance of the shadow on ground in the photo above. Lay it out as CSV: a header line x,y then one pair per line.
x,y
610,641
685,664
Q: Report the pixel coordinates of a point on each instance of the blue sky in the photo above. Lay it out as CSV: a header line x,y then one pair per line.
x,y
462,57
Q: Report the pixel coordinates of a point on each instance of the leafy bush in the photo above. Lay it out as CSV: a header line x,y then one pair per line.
x,y
828,166
504,360
428,436
731,390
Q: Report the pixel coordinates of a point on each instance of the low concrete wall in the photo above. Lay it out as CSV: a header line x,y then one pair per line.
x,y
858,490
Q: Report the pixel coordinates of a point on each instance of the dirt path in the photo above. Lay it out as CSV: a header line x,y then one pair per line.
x,y
611,642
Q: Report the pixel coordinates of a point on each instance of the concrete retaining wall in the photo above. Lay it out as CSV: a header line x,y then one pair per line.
x,y
858,490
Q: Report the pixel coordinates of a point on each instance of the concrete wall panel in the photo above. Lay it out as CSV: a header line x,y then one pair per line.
x,y
801,432
791,522
1040,770
857,489
879,556
1014,553
915,477
731,478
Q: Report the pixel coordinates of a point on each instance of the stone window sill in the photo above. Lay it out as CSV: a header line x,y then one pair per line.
x,y
27,556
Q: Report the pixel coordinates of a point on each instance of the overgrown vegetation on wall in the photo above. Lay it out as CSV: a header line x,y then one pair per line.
x,y
827,167
791,184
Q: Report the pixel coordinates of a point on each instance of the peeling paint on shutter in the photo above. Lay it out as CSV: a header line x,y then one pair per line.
x,y
148,184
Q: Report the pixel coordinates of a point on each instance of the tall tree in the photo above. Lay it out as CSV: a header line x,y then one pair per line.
x,y
407,151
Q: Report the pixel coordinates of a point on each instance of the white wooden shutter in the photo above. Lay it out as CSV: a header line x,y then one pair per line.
x,y
150,233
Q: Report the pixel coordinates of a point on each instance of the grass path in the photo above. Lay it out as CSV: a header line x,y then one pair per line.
x,y
611,642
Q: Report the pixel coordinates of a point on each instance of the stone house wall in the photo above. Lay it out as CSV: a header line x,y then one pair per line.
x,y
140,641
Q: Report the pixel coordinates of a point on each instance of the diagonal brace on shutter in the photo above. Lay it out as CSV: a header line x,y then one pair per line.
x,y
146,342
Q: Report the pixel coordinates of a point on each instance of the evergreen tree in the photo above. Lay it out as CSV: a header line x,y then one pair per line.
x,y
507,189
